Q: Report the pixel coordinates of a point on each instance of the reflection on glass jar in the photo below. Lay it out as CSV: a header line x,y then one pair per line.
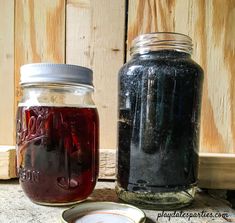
x,y
57,134
159,121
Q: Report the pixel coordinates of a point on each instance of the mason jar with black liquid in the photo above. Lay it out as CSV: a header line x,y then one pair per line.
x,y
159,107
57,134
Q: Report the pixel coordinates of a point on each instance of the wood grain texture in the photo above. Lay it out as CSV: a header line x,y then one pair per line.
x,y
211,25
7,162
107,164
39,34
7,72
216,170
95,38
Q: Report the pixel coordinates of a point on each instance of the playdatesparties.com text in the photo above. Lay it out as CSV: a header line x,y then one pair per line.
x,y
190,215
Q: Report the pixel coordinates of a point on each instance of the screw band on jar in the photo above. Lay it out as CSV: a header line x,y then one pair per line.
x,y
39,73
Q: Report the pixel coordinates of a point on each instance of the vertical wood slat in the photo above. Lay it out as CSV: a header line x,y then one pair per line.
x,y
95,38
211,25
39,34
6,72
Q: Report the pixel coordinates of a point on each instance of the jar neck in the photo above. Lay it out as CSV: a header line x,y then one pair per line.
x,y
57,95
166,43
162,54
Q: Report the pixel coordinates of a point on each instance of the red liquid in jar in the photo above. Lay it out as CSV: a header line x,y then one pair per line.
x,y
57,155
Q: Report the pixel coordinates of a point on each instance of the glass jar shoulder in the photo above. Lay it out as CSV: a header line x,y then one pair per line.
x,y
131,66
170,65
57,96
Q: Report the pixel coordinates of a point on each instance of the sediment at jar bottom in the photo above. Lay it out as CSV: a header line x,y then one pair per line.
x,y
158,201
57,155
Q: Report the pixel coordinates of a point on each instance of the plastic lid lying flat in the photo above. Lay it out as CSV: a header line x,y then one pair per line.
x,y
105,212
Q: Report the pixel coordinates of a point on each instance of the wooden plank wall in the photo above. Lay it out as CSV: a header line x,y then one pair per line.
x,y
95,38
6,72
39,35
83,32
210,23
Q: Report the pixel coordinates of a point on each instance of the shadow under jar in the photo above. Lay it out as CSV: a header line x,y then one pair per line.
x,y
159,121
57,134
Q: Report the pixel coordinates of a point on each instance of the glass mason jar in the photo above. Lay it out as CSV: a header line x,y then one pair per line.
x,y
57,134
159,120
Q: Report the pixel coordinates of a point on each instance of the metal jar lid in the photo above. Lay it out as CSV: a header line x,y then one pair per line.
x,y
41,73
105,212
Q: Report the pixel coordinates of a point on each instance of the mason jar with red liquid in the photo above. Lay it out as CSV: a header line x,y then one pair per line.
x,y
57,134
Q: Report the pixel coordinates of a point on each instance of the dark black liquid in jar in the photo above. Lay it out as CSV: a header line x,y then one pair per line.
x,y
57,155
158,129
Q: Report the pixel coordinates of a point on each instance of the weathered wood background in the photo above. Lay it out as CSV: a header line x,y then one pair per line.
x,y
7,90
92,33
211,24
83,32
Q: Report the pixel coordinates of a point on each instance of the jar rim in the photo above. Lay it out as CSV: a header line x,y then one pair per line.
x,y
157,41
